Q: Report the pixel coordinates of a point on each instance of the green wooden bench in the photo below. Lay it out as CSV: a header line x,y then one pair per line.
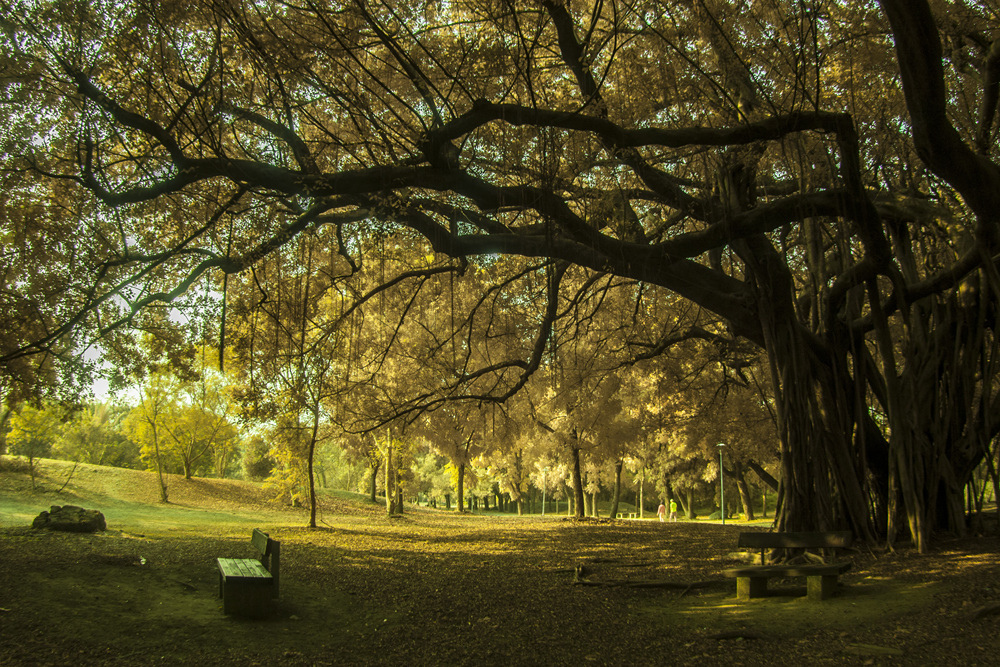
x,y
249,586
821,578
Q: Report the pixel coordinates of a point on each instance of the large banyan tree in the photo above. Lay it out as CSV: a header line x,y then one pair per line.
x,y
818,174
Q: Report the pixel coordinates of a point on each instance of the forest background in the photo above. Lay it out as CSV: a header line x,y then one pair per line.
x,y
540,242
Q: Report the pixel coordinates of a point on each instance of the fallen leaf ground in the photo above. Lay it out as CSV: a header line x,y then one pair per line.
x,y
436,588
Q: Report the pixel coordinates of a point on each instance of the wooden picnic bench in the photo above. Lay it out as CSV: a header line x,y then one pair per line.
x,y
821,577
249,586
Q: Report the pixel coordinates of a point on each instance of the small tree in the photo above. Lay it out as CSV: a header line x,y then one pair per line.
x,y
198,438
144,424
32,433
289,479
94,436
430,474
257,461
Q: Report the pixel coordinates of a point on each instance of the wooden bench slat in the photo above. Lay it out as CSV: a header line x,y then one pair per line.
x,y
789,570
260,541
244,568
830,540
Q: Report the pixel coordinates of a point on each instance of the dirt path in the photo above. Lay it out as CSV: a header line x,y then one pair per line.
x,y
435,588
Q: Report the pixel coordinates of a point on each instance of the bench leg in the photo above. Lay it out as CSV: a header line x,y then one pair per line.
x,y
253,599
750,587
821,587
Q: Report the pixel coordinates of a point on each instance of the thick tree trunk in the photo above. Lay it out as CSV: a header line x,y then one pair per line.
x,y
312,484
838,471
5,414
930,458
390,488
994,478
815,456
310,459
577,484
642,500
822,478
460,491
741,484
940,411
375,464
159,469
618,488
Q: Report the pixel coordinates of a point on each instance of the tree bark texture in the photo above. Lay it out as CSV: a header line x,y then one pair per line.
x,y
374,465
578,496
746,499
619,464
390,480
159,469
310,471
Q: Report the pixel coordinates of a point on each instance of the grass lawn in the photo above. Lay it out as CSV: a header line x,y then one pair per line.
x,y
436,588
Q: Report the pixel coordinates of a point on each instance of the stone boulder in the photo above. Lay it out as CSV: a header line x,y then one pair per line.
x,y
70,518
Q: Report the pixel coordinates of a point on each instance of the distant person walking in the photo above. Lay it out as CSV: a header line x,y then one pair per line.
x,y
673,510
661,512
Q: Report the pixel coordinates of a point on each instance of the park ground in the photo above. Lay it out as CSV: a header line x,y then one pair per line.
x,y
438,588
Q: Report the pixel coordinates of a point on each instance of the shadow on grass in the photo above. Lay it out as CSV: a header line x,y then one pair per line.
x,y
786,613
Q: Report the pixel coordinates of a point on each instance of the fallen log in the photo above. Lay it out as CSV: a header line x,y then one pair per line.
x,y
630,583
737,634
991,609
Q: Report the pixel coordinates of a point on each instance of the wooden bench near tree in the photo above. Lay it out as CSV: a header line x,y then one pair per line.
x,y
249,586
821,575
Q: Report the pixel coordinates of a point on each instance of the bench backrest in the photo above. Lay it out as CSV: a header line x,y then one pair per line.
x,y
764,541
270,553
260,542
819,540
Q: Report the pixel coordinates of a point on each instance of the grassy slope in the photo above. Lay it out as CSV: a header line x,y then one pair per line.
x,y
129,499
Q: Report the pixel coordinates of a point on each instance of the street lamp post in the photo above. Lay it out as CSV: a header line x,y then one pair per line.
x,y
722,487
